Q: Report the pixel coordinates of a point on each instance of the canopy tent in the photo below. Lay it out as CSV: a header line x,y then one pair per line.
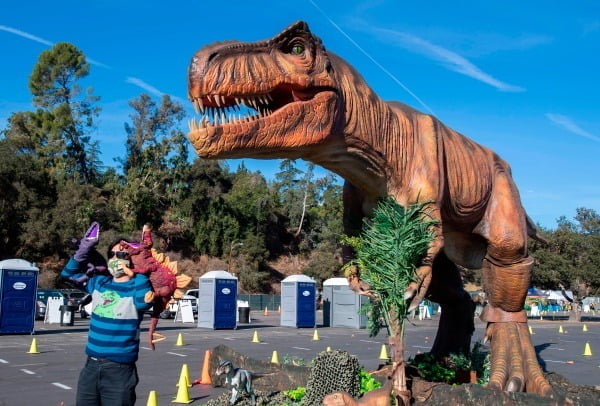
x,y
557,295
533,292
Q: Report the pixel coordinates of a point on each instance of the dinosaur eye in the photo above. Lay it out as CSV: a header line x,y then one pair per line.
x,y
297,49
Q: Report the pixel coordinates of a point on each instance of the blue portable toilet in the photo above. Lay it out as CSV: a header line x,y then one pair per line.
x,y
18,286
298,301
217,300
342,305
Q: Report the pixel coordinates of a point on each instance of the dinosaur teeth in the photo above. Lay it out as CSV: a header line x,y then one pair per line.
x,y
198,106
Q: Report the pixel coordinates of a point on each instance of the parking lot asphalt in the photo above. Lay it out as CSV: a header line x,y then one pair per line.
x,y
50,377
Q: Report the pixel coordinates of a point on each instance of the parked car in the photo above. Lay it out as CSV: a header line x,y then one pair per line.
x,y
75,298
41,301
171,309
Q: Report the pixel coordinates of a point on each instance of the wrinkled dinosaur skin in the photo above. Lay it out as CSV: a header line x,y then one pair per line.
x,y
316,107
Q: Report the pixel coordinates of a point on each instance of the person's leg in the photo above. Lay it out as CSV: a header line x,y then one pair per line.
x,y
87,391
117,384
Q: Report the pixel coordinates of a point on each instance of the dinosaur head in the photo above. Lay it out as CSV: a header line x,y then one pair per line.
x,y
224,367
269,99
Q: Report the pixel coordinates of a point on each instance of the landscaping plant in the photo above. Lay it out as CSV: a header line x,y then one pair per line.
x,y
389,248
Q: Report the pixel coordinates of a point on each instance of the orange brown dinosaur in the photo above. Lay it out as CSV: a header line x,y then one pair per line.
x,y
376,397
287,97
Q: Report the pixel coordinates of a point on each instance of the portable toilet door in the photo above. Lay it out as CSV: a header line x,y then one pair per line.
x,y
298,301
225,303
344,304
307,302
217,300
18,286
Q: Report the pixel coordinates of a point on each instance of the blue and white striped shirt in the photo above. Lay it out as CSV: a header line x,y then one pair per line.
x,y
117,311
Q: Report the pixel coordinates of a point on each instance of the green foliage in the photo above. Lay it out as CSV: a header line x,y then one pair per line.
x,y
436,371
459,362
324,262
431,370
572,257
390,246
296,394
480,362
65,114
367,382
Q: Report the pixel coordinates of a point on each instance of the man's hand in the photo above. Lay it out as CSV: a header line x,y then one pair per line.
x,y
149,296
127,270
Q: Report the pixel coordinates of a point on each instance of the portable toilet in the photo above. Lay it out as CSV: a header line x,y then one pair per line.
x,y
217,300
298,301
341,305
18,286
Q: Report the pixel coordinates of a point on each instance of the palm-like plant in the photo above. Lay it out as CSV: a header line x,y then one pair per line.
x,y
389,248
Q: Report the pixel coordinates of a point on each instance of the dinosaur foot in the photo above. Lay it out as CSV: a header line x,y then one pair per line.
x,y
155,338
514,364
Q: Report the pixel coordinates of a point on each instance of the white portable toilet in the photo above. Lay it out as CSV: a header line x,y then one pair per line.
x,y
341,305
298,301
18,287
217,300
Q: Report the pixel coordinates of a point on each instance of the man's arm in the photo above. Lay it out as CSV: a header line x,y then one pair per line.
x,y
143,293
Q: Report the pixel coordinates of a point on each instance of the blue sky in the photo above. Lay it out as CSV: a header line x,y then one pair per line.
x,y
519,77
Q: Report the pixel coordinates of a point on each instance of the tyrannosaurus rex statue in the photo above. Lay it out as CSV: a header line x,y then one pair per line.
x,y
311,104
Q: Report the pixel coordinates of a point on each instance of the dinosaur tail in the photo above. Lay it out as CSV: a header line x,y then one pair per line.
x,y
532,231
255,375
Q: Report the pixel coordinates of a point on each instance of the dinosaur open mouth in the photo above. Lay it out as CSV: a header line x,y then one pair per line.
x,y
221,110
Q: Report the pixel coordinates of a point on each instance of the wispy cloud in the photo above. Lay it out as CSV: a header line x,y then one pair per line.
x,y
35,38
591,28
25,35
132,80
151,89
566,123
449,59
140,83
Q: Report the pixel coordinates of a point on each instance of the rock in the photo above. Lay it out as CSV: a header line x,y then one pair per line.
x,y
284,377
440,394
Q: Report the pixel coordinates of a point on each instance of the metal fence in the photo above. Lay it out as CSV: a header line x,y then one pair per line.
x,y
260,302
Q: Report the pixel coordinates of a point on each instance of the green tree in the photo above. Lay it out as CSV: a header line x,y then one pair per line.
x,y
571,258
65,116
155,164
209,223
27,195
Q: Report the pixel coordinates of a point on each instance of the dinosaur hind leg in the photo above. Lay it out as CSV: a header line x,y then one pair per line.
x,y
513,358
153,336
456,321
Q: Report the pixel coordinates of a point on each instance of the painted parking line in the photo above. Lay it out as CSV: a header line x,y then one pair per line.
x,y
558,362
179,355
420,346
369,341
301,348
60,385
28,371
3,361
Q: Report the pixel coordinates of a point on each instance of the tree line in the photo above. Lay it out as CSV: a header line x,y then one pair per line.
x,y
54,184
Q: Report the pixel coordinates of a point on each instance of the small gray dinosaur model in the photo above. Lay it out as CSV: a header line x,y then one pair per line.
x,y
239,379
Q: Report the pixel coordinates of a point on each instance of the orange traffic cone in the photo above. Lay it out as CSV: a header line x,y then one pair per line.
x,y
205,376
266,313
